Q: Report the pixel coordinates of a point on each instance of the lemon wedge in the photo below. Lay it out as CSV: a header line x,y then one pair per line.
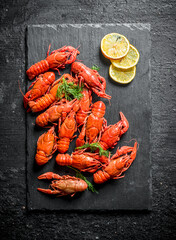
x,y
122,76
114,46
129,61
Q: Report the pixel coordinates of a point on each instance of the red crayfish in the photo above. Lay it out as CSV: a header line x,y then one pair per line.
x,y
57,59
94,124
84,106
46,146
63,185
40,86
119,163
84,161
112,133
49,98
66,132
91,79
55,112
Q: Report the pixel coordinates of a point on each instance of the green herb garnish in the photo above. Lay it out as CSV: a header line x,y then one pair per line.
x,y
81,176
95,67
93,147
70,90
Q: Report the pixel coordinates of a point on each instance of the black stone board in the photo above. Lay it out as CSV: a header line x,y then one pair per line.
x,y
133,192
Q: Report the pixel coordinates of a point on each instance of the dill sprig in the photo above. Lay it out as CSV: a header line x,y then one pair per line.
x,y
81,176
93,147
70,90
95,67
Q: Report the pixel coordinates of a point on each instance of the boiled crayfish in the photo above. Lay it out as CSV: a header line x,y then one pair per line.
x,y
70,103
66,132
84,106
57,59
119,163
49,98
63,185
91,79
39,87
55,112
84,161
93,125
46,146
112,133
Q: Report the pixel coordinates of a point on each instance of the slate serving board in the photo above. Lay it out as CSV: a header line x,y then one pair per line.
x,y
134,191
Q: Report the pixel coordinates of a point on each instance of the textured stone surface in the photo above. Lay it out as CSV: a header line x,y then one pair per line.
x,y
16,222
134,100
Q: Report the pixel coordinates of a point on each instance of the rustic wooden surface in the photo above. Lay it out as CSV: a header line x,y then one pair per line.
x,y
16,221
134,191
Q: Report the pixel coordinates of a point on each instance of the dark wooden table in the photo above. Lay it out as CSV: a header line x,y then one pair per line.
x,y
16,221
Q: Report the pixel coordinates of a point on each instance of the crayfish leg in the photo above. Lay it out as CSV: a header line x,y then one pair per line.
x,y
117,177
101,93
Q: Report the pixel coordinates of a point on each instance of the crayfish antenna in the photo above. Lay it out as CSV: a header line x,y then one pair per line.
x,y
133,139
25,99
78,53
20,88
78,47
48,49
78,60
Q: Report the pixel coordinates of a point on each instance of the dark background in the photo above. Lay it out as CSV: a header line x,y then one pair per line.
x,y
16,222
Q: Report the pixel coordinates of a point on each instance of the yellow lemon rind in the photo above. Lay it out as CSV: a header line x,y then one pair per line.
x,y
119,81
110,57
121,67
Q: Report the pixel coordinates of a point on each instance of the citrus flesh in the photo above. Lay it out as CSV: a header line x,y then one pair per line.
x,y
122,76
130,60
114,46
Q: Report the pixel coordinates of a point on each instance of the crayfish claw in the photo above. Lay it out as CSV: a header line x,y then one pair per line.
x,y
48,191
125,123
49,176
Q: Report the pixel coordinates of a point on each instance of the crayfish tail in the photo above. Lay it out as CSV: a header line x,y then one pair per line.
x,y
42,119
37,68
63,145
41,158
101,177
63,159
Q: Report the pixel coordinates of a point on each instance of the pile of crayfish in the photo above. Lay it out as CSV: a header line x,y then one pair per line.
x,y
66,105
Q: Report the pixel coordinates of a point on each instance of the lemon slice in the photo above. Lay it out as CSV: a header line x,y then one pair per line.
x,y
114,46
121,75
130,60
